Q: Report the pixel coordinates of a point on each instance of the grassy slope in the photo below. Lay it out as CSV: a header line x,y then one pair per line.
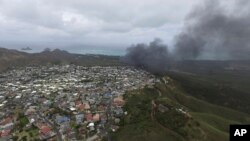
x,y
138,124
214,117
144,131
209,121
215,121
224,88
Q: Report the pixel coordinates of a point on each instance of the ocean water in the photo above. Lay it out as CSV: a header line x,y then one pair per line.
x,y
102,51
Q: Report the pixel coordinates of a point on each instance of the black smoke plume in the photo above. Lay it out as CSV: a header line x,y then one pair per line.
x,y
153,57
217,29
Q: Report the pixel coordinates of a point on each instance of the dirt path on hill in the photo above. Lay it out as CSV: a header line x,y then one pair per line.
x,y
159,124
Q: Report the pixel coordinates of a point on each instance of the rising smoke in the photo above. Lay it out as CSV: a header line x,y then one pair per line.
x,y
219,29
153,57
214,30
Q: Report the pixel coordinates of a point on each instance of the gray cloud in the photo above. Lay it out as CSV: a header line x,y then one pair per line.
x,y
90,22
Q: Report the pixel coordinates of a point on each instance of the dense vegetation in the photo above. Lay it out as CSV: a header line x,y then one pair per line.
x,y
225,88
138,125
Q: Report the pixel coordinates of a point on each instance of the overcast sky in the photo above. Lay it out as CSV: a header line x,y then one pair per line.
x,y
100,23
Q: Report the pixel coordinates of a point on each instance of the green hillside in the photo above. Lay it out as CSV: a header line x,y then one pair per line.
x,y
199,119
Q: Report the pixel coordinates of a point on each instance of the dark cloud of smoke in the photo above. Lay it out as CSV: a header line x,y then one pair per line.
x,y
218,29
213,30
153,57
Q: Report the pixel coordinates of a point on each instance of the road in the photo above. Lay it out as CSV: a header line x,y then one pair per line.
x,y
109,117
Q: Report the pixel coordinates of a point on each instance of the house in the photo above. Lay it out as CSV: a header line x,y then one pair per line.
x,y
81,107
91,126
7,126
91,101
86,106
5,133
6,121
118,112
46,132
77,103
72,109
89,117
107,95
30,111
79,118
62,119
162,108
118,101
96,117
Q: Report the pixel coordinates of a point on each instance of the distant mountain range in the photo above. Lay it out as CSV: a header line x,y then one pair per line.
x,y
12,58
26,48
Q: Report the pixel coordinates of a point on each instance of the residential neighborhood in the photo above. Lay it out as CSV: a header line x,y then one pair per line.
x,y
65,102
